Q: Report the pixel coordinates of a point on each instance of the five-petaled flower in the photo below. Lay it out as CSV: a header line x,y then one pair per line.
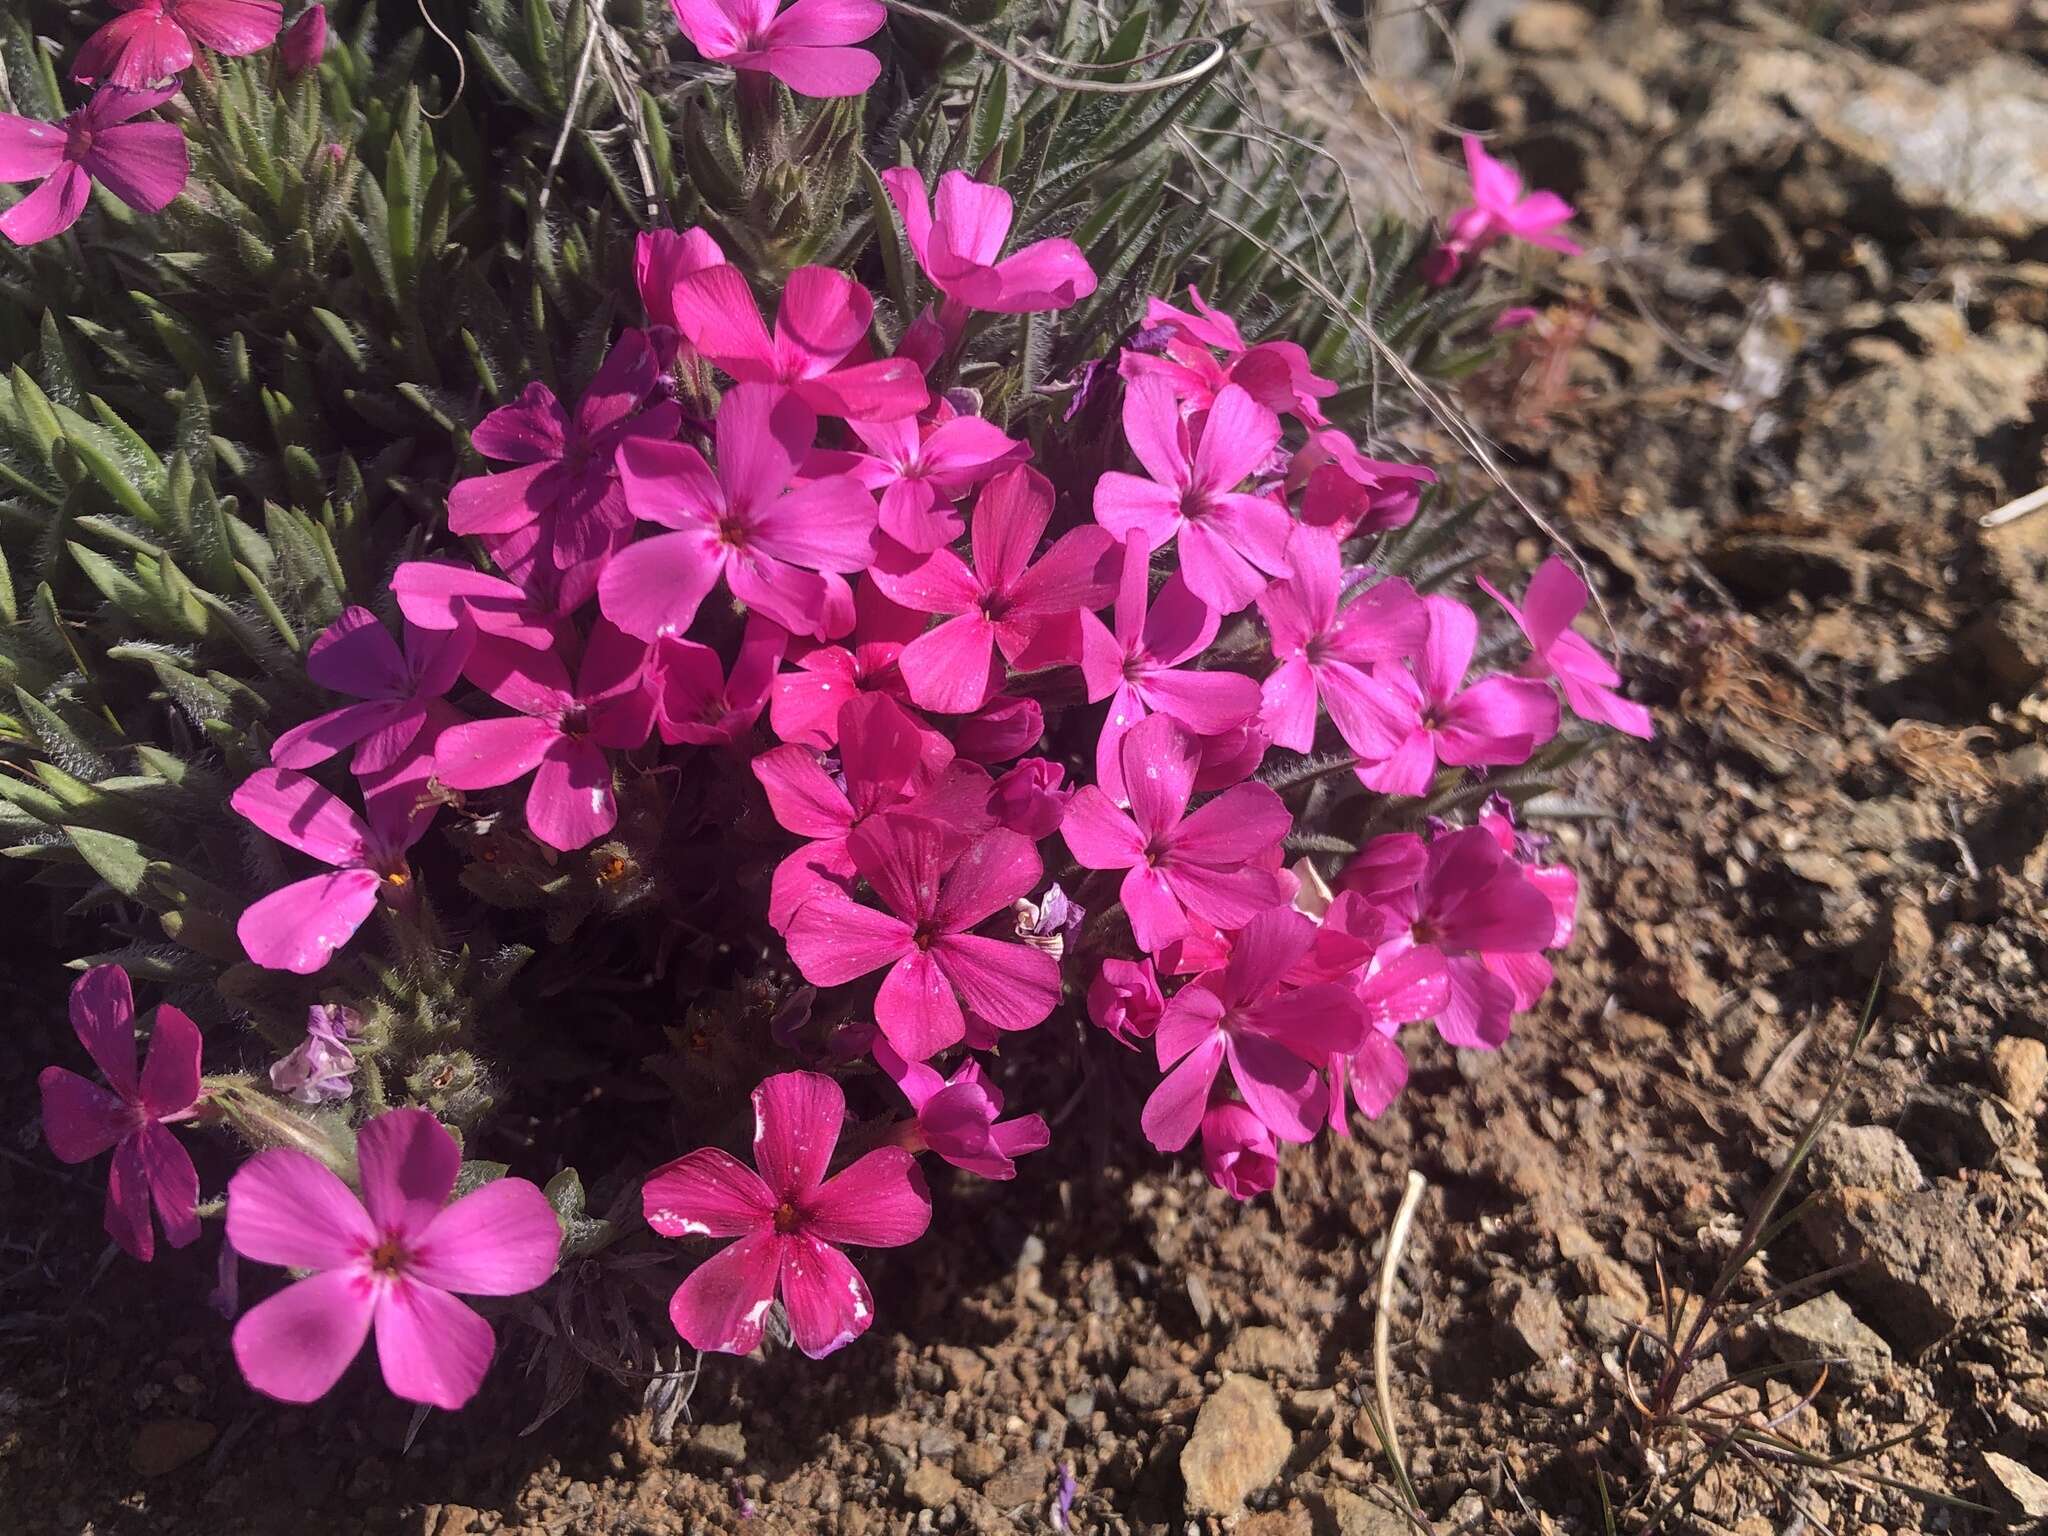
x,y
1499,209
805,47
152,40
81,1119
958,238
143,164
790,1220
393,1259
936,894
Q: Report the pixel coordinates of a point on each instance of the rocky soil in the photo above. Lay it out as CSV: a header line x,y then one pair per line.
x,y
1804,355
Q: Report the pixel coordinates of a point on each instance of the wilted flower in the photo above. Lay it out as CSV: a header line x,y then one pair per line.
x,y
318,1069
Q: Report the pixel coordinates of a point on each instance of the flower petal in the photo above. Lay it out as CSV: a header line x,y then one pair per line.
x,y
170,1074
407,1162
145,165
723,1302
295,1346
432,1348
706,1193
827,1301
303,813
51,209
797,1120
878,1201
103,1017
298,928
285,1207
499,1240
80,1118
1010,985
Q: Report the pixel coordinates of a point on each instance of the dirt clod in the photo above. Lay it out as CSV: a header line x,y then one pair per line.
x,y
1238,1446
1825,1330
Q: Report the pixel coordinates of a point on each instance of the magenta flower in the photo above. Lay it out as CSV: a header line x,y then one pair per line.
x,y
1217,863
304,42
960,1117
565,493
1349,494
741,521
806,703
804,47
696,702
1124,999
821,323
1374,1076
884,762
1005,602
1272,1035
958,238
1227,538
355,655
1238,1152
1139,666
1274,373
662,258
299,928
790,1220
143,164
936,895
394,1260
1499,209
153,39
1495,721
81,1119
1527,971
921,469
1031,799
559,735
1555,596
1469,900
1326,649
441,596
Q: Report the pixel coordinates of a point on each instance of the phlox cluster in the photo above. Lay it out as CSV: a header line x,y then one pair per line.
x,y
1029,742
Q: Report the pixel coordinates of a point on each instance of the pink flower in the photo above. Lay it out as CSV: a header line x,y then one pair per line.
x,y
1031,799
441,596
1375,1074
935,895
1527,971
1469,900
559,735
790,1220
1227,538
804,47
958,237
696,702
153,39
1274,373
1139,666
885,762
299,928
1555,596
143,164
1326,649
304,42
355,655
1497,720
741,521
1214,863
1499,209
1349,494
394,1259
567,482
1124,999
81,1119
1273,1036
806,703
821,322
957,1117
1238,1152
1005,602
921,469
662,258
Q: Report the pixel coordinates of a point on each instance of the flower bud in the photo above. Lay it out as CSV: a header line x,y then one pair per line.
x,y
1031,798
303,43
1124,999
1238,1151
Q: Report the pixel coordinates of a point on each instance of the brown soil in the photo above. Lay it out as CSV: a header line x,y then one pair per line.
x,y
1809,366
